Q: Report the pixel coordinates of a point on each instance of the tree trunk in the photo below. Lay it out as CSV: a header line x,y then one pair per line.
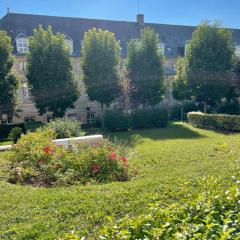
x,y
102,115
181,111
205,107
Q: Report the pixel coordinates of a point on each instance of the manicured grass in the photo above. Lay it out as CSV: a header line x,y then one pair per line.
x,y
165,158
5,142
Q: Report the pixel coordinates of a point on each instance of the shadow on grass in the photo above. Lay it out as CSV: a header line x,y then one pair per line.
x,y
132,137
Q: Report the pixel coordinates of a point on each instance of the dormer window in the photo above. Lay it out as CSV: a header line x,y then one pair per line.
x,y
69,42
161,46
237,50
22,44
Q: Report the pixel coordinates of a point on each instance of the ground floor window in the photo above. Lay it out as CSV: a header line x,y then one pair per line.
x,y
90,117
29,119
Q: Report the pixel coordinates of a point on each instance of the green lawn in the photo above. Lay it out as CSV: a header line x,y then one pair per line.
x,y
164,158
5,142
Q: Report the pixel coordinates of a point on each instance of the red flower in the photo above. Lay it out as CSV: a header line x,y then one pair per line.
x,y
113,156
95,168
124,160
48,150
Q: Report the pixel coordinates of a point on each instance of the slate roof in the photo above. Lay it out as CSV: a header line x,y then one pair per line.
x,y
173,36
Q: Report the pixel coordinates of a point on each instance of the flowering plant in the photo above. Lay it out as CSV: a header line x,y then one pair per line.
x,y
37,160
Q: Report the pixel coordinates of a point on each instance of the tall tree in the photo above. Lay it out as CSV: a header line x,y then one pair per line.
x,y
8,82
209,60
180,86
145,67
50,72
100,58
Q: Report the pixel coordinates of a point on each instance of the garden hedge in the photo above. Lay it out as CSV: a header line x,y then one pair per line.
x,y
215,121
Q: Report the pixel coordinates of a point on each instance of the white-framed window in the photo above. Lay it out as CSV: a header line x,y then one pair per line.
x,y
90,117
161,46
22,44
237,50
69,43
23,66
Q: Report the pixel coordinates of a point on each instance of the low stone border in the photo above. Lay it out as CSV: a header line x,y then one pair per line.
x,y
66,142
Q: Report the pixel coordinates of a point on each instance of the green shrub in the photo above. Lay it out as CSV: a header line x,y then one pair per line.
x,y
37,160
6,129
148,118
15,134
65,128
229,108
116,120
32,126
137,119
215,121
212,215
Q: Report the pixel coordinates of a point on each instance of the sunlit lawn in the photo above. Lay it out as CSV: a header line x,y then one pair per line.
x,y
164,158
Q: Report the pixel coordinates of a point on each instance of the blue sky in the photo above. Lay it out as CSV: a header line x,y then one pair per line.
x,y
186,12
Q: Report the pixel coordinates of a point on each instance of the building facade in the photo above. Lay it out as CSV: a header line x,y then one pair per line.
x,y
173,43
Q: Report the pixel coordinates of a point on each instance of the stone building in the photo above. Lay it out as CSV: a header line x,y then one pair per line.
x,y
173,38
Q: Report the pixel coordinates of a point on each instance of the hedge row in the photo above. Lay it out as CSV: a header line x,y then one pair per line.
x,y
5,129
215,121
137,119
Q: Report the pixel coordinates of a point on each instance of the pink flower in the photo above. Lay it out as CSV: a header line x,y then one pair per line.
x,y
124,160
18,170
113,156
95,168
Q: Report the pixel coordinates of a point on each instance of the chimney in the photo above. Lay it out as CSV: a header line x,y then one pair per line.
x,y
8,11
140,19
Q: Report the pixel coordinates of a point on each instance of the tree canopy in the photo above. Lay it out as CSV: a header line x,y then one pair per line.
x,y
100,58
145,67
50,72
209,60
8,82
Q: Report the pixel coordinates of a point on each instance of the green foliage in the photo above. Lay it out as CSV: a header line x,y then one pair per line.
x,y
145,67
212,215
32,126
180,86
65,128
8,82
50,72
117,120
15,134
6,129
100,57
36,160
149,118
215,121
209,61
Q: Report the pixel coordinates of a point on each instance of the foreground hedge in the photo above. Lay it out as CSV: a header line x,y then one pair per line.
x,y
215,121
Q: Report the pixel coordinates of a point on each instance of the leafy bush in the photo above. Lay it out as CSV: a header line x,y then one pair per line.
x,y
147,118
229,108
65,128
212,215
116,120
6,129
32,126
215,121
36,160
15,134
137,119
